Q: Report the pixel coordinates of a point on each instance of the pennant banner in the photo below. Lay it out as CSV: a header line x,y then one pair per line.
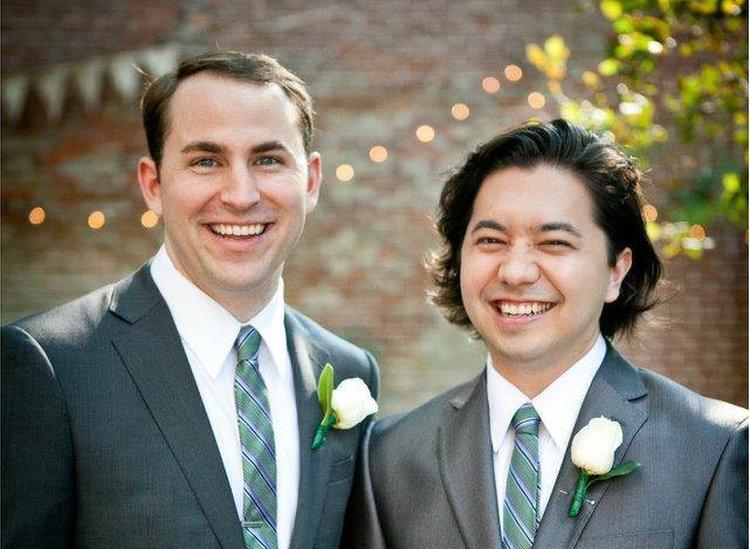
x,y
86,80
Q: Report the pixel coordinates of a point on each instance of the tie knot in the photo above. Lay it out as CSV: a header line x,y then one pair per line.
x,y
247,343
526,420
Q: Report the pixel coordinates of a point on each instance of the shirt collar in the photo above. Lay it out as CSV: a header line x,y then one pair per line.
x,y
558,405
207,328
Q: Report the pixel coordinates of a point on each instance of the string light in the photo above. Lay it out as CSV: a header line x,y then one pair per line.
x,y
513,73
696,231
425,133
459,111
490,84
149,219
378,154
650,213
37,215
96,220
345,172
536,100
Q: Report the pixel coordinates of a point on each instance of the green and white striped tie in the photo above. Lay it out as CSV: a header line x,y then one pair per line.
x,y
257,445
521,506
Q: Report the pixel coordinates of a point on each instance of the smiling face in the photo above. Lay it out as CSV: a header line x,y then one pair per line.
x,y
534,271
233,188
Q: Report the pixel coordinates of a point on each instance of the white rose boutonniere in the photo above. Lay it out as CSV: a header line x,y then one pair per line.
x,y
593,452
343,407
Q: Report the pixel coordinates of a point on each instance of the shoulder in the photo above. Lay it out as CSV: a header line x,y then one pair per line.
x,y
689,412
300,325
69,322
75,323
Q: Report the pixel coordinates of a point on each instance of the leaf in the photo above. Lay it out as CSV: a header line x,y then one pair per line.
x,y
623,469
609,67
731,183
325,388
611,9
556,49
536,57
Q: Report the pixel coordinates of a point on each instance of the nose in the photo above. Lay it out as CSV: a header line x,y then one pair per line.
x,y
240,189
519,267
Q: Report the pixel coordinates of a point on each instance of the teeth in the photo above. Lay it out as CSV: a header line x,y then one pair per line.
x,y
239,230
524,309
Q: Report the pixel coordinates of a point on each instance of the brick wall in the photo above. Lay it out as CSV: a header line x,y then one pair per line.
x,y
378,70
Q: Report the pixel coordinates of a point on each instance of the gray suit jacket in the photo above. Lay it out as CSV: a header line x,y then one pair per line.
x,y
106,443
426,478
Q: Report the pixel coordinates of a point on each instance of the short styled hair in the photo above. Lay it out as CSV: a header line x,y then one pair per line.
x,y
255,68
611,179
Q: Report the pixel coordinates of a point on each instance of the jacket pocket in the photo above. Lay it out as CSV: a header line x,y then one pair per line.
x,y
660,539
342,469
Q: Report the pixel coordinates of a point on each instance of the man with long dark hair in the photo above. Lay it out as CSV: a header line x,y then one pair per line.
x,y
559,442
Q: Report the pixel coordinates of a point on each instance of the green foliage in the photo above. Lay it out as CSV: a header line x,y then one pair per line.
x,y
675,73
325,389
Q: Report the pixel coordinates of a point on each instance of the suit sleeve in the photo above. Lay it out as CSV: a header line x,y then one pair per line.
x,y
37,457
361,524
724,517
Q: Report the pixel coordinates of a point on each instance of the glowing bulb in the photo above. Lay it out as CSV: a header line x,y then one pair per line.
x,y
536,100
149,219
37,215
650,213
425,133
698,232
459,111
513,73
96,220
345,172
378,154
491,84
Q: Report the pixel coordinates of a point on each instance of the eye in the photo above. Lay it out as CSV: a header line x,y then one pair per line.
x,y
267,161
557,244
489,241
205,162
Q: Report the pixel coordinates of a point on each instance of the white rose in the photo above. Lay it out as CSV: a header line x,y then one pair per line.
x,y
352,402
593,447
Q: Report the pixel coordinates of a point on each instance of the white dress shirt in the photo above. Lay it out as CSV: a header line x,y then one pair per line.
x,y
558,407
208,332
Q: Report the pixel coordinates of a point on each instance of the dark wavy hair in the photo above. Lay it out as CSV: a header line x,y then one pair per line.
x,y
613,182
255,68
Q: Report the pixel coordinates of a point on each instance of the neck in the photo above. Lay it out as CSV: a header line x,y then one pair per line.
x,y
532,376
243,304
244,307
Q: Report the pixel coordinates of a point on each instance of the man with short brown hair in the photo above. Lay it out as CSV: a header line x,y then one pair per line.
x,y
177,408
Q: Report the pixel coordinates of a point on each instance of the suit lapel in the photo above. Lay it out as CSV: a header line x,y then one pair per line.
x,y
150,347
616,393
466,466
315,467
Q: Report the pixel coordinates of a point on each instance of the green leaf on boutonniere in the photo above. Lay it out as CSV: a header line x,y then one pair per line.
x,y
325,388
325,396
585,481
619,471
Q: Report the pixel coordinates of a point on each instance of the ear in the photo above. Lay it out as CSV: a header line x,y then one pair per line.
x,y
148,179
314,179
617,274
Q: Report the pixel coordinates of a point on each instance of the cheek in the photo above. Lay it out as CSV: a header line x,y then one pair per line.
x,y
476,272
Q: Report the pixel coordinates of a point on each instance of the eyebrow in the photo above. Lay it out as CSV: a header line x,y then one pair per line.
x,y
543,228
212,147
488,224
202,146
558,226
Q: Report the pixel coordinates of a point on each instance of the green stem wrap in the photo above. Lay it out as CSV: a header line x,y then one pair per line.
x,y
320,433
579,494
